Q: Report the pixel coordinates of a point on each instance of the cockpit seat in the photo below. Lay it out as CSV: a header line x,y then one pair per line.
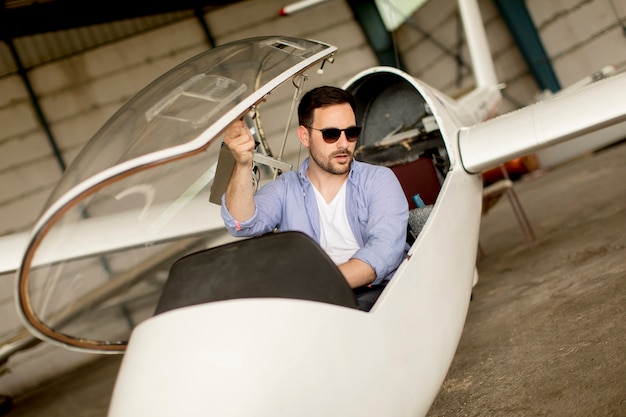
x,y
417,219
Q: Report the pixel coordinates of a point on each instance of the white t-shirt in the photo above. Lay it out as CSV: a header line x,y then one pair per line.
x,y
336,236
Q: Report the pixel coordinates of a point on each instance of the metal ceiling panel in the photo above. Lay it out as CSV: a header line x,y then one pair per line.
x,y
42,48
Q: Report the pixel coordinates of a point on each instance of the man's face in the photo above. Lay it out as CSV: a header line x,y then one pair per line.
x,y
336,157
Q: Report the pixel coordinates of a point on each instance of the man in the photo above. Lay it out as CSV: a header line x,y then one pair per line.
x,y
357,212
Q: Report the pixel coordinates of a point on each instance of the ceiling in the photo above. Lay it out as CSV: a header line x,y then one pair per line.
x,y
20,18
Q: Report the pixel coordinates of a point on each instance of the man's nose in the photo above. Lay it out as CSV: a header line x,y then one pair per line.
x,y
343,139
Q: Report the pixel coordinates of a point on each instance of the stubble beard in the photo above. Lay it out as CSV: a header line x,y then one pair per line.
x,y
329,164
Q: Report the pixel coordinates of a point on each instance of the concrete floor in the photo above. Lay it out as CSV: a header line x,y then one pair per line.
x,y
546,330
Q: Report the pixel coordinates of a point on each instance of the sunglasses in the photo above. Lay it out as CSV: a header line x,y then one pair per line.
x,y
332,134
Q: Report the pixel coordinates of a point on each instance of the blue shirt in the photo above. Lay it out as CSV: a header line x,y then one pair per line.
x,y
375,204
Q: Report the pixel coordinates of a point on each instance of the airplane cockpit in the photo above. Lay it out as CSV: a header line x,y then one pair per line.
x,y
400,132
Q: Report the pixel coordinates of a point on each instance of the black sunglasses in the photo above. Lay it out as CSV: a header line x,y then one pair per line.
x,y
332,134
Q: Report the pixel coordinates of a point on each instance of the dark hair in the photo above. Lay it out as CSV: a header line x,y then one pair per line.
x,y
322,97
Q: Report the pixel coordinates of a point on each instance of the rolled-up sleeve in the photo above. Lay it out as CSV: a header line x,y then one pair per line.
x,y
234,227
266,212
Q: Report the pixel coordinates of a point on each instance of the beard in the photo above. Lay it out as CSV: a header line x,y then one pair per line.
x,y
329,163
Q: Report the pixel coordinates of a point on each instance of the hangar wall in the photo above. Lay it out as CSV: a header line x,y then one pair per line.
x,y
78,94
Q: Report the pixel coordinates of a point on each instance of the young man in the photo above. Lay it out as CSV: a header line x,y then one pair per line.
x,y
357,212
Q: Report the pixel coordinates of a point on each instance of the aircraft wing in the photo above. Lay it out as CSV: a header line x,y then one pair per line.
x,y
395,12
586,111
11,251
96,236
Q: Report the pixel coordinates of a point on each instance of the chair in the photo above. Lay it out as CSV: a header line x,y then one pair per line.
x,y
505,186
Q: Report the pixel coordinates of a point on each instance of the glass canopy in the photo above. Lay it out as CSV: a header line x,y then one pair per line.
x,y
139,195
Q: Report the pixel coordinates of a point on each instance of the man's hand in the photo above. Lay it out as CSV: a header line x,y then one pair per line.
x,y
240,191
239,140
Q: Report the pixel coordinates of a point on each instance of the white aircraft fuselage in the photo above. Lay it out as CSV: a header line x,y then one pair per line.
x,y
274,355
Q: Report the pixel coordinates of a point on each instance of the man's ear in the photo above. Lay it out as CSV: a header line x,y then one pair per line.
x,y
303,135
